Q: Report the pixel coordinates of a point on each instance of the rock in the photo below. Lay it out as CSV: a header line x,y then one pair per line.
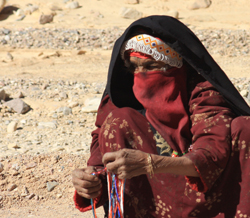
x,y
46,18
72,5
51,125
30,9
30,166
89,109
21,18
13,172
11,187
73,104
2,4
95,101
30,196
51,185
19,95
15,167
65,110
19,12
63,95
1,198
174,14
25,191
54,7
81,52
200,4
18,106
2,94
1,167
13,146
10,57
12,127
244,93
59,195
130,13
133,2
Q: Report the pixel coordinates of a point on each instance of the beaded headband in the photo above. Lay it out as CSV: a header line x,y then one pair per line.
x,y
154,47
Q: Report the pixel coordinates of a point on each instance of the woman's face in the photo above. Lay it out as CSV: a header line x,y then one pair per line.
x,y
137,65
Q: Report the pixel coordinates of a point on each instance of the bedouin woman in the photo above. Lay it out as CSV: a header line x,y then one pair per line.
x,y
172,124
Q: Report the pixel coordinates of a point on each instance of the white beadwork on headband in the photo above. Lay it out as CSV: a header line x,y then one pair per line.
x,y
154,47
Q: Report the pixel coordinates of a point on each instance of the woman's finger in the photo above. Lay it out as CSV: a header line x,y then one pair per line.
x,y
109,157
84,174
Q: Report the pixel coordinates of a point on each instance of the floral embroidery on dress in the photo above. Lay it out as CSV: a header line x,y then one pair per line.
x,y
108,124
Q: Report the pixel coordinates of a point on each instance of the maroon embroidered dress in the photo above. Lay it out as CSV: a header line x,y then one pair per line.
x,y
206,129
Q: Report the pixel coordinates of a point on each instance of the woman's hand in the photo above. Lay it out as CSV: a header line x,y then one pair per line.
x,y
126,163
86,185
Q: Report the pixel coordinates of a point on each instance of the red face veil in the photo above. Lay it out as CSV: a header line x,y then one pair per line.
x,y
164,96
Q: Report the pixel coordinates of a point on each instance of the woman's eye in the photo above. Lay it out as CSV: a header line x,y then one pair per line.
x,y
152,67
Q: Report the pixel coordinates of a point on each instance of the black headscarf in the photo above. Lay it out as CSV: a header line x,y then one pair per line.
x,y
182,40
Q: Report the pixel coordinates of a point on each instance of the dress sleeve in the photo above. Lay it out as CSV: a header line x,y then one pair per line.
x,y
210,150
95,159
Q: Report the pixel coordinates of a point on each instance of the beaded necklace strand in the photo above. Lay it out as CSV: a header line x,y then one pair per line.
x,y
116,188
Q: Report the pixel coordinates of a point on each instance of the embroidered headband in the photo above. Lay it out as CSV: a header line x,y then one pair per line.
x,y
154,47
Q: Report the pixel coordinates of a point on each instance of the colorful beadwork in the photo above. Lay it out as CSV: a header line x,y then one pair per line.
x,y
154,47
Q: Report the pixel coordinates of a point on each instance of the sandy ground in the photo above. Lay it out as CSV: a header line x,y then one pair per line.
x,y
226,14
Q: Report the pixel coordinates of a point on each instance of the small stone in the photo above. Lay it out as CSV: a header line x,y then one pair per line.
x,y
13,172
95,101
18,105
174,14
81,52
21,18
25,191
89,109
11,187
30,196
12,127
200,4
30,166
1,167
10,56
59,195
51,125
46,18
19,12
72,5
30,9
65,110
45,86
51,185
19,95
63,95
2,95
13,146
130,13
244,93
1,198
15,167
73,104
54,7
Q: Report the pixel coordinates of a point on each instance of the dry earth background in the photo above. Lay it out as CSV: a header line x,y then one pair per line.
x,y
59,76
